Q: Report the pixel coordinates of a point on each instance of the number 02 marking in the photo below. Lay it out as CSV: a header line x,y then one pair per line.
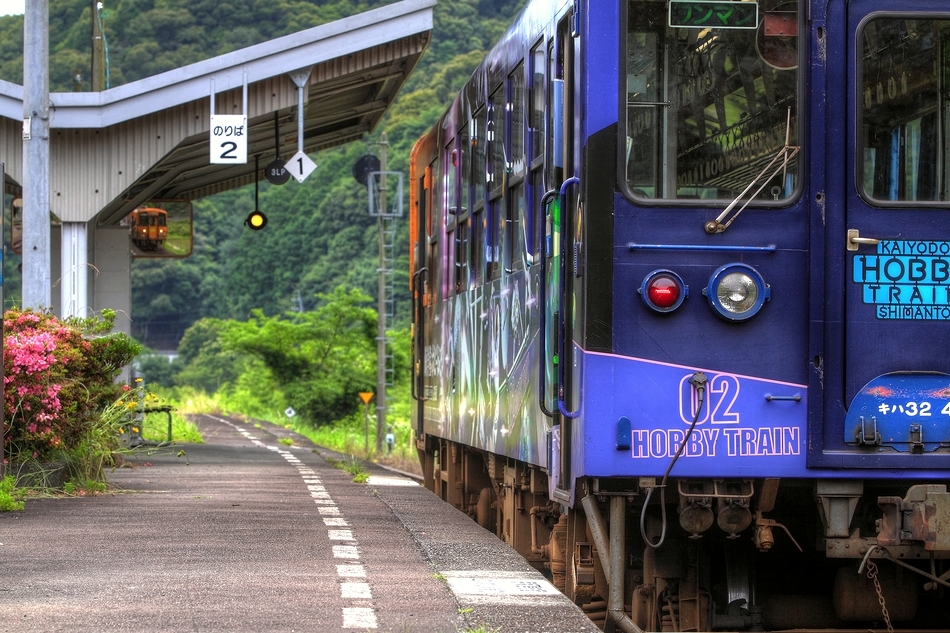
x,y
719,408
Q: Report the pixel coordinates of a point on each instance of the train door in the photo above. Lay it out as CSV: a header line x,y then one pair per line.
x,y
431,355
550,240
559,205
893,244
420,303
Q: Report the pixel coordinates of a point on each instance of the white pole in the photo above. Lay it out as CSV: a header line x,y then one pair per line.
x,y
36,190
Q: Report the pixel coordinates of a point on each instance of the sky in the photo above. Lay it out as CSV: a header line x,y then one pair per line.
x,y
8,7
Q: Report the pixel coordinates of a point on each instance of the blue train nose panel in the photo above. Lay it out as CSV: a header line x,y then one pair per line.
x,y
905,412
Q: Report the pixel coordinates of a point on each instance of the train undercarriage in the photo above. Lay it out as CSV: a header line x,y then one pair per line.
x,y
717,555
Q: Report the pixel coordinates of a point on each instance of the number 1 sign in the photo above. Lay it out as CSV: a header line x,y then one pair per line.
x,y
300,166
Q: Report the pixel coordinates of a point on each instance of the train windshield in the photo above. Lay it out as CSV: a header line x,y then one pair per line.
x,y
711,99
905,71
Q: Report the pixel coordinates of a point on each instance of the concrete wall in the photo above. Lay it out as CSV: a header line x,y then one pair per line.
x,y
112,276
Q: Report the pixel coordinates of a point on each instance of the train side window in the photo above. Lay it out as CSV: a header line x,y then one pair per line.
x,y
497,223
461,255
496,141
479,158
422,231
496,178
464,170
516,229
555,76
535,221
451,208
427,201
479,162
536,104
437,212
450,169
901,98
516,132
477,248
705,110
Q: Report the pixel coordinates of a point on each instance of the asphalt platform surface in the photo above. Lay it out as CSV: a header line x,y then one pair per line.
x,y
244,533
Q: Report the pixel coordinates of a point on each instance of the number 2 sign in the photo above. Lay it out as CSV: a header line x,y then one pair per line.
x,y
228,139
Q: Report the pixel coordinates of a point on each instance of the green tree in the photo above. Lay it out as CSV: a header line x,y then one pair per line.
x,y
319,234
202,361
321,360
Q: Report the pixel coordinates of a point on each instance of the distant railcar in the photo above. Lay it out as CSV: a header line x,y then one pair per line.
x,y
681,324
148,228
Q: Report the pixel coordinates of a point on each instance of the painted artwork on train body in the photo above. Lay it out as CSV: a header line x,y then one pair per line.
x,y
755,425
486,370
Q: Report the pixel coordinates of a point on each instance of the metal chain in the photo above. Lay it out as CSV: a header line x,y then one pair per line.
x,y
872,574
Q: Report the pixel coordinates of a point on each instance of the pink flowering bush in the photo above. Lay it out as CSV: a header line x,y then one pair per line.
x,y
58,376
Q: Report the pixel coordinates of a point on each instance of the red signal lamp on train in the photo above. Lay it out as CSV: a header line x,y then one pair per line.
x,y
663,290
256,220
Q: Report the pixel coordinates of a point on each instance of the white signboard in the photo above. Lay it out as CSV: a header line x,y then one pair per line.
x,y
300,166
228,139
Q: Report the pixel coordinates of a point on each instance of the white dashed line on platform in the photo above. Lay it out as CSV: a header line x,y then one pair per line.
x,y
354,617
359,618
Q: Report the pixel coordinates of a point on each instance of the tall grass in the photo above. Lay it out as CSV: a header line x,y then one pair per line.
x,y
347,436
155,424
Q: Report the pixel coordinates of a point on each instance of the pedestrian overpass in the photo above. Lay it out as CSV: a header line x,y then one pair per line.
x,y
112,151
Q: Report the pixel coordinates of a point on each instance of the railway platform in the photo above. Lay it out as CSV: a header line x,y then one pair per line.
x,y
246,533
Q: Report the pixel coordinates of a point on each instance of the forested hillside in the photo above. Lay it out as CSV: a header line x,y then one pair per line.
x,y
319,234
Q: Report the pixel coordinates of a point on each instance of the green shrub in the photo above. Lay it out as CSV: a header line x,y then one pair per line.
x,y
9,495
59,380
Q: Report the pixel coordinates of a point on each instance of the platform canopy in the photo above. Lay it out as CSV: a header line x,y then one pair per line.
x,y
111,151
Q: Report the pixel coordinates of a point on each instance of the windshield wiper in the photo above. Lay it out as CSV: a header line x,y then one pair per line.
x,y
783,157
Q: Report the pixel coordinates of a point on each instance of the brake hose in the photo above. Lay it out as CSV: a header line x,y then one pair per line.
x,y
698,380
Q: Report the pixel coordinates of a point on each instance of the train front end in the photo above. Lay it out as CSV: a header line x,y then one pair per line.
x,y
757,284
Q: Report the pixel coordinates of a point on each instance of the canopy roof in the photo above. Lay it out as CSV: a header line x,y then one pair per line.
x,y
111,151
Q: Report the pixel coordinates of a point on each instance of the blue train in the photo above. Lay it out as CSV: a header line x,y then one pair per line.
x,y
681,324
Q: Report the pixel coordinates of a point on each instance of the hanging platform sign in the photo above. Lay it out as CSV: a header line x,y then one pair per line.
x,y
300,166
228,139
276,172
228,142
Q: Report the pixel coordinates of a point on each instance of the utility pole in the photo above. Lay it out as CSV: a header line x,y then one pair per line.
x,y
98,49
366,171
381,303
36,194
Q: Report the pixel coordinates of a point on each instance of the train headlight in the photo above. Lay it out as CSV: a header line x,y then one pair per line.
x,y
663,290
736,292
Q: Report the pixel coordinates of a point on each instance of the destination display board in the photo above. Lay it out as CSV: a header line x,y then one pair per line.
x,y
697,14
